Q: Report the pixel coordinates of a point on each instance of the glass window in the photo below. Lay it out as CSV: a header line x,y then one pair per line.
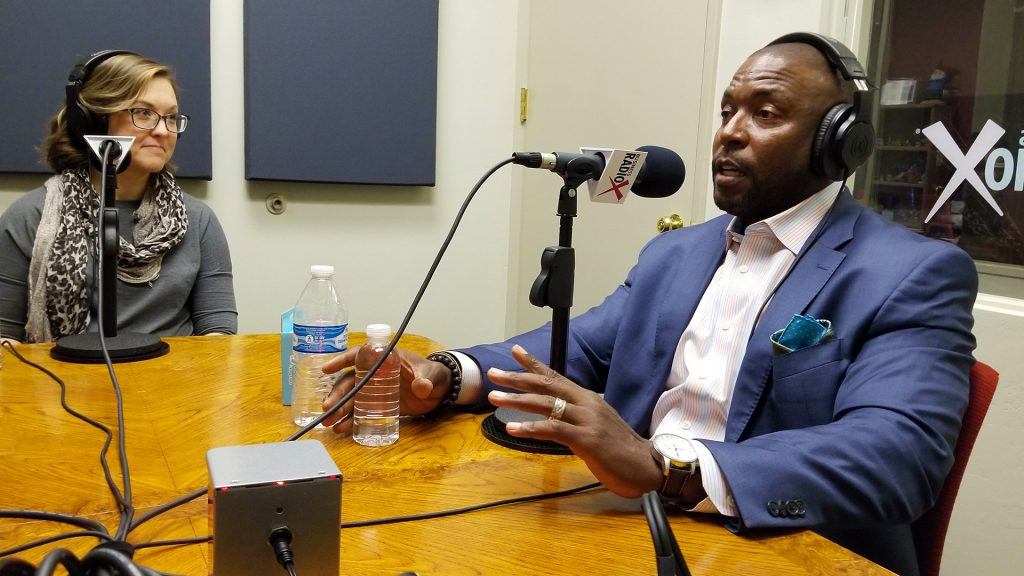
x,y
949,118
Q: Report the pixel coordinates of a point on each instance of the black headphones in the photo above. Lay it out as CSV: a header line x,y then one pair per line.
x,y
80,121
845,137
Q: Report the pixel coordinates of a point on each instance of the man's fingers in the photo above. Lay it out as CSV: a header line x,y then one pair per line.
x,y
534,403
344,412
421,388
531,364
343,360
553,430
554,384
342,385
343,427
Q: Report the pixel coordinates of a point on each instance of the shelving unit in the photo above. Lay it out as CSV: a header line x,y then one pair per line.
x,y
906,173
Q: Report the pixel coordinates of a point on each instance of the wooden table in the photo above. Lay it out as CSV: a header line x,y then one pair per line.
x,y
223,391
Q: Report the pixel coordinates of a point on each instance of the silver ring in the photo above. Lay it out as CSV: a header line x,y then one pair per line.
x,y
557,410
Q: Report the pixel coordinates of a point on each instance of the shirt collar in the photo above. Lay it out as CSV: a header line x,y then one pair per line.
x,y
794,226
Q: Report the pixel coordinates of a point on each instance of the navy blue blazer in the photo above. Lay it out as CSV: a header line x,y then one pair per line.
x,y
852,437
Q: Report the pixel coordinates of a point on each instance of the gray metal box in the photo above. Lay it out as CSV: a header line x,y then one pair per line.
x,y
259,488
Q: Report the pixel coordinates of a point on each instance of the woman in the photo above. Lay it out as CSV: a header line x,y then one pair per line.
x,y
173,265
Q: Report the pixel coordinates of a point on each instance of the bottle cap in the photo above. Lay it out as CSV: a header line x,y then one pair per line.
x,y
378,331
321,271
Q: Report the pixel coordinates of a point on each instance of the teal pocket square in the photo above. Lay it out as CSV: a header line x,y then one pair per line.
x,y
802,332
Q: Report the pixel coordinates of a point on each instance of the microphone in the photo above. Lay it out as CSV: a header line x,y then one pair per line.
x,y
659,171
121,151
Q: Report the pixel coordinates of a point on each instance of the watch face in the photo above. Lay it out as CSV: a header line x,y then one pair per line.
x,y
675,448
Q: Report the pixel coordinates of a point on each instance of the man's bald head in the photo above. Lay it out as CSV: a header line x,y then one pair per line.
x,y
823,80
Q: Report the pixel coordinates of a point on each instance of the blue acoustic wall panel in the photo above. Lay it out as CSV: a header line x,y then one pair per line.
x,y
341,90
41,40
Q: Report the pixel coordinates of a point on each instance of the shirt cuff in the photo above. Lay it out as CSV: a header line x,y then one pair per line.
x,y
719,500
472,379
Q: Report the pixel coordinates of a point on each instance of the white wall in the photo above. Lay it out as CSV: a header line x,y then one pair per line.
x,y
987,527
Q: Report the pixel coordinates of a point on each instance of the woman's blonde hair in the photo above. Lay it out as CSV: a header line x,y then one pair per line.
x,y
113,85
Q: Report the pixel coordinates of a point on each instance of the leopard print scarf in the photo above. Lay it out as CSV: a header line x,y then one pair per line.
x,y
58,294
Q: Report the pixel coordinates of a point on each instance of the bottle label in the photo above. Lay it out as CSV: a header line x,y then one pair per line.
x,y
320,339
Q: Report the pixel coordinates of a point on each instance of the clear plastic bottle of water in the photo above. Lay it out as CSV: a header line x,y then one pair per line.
x,y
376,405
320,323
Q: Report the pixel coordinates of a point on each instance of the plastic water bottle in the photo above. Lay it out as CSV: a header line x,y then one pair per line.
x,y
320,333
376,405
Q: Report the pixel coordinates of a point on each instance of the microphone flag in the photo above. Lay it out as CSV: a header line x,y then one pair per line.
x,y
621,168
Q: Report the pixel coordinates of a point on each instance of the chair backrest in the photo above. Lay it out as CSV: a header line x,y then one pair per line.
x,y
930,529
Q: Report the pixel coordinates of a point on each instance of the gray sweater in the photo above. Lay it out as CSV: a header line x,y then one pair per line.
x,y
192,295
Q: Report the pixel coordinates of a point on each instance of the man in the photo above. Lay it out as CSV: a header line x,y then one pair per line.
x,y
851,434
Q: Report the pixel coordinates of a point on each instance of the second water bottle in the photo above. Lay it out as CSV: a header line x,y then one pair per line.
x,y
377,403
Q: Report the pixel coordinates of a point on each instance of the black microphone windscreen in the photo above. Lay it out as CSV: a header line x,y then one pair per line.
x,y
662,174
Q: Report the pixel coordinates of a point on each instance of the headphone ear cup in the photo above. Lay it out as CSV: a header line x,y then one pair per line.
x,y
824,150
858,141
80,121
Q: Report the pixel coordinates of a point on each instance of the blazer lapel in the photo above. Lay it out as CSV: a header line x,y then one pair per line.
x,y
689,278
808,277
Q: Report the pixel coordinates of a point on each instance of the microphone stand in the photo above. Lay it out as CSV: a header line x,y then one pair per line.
x,y
92,347
553,287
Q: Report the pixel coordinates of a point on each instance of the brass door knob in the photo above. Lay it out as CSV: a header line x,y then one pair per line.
x,y
670,223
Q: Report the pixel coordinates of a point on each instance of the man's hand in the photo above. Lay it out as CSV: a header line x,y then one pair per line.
x,y
423,385
619,457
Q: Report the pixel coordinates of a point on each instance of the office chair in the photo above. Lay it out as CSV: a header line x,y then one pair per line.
x,y
930,529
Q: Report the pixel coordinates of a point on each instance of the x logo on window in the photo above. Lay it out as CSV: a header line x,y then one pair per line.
x,y
964,163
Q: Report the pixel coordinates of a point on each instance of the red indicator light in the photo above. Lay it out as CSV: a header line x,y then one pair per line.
x,y
333,476
224,489
279,482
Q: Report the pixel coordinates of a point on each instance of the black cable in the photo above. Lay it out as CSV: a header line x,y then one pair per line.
x,y
127,510
59,557
668,556
281,542
457,511
390,347
174,542
99,558
42,541
86,523
397,519
165,507
412,307
16,567
67,408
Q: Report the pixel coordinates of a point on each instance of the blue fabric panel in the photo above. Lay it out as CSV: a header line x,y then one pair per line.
x,y
341,91
41,40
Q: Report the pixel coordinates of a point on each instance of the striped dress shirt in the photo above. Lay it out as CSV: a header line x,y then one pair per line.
x,y
707,360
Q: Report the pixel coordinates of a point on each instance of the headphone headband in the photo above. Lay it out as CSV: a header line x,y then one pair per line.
x,y
83,69
838,55
844,138
80,121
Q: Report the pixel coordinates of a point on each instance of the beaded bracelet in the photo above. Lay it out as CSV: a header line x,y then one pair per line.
x,y
450,362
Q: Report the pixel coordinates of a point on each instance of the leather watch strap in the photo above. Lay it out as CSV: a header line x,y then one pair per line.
x,y
674,483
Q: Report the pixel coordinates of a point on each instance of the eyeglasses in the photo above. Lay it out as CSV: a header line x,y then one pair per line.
x,y
146,119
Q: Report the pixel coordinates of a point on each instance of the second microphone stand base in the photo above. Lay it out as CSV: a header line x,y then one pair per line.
x,y
125,347
494,429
